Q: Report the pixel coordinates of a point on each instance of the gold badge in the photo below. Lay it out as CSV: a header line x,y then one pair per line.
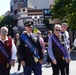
x,y
7,65
36,59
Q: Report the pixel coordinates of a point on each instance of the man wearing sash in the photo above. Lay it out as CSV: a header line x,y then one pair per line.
x,y
30,51
7,52
57,52
65,34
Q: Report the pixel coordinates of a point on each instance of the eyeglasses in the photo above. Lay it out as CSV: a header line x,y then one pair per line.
x,y
58,30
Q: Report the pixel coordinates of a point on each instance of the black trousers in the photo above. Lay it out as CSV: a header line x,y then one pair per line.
x,y
67,68
48,58
59,67
4,70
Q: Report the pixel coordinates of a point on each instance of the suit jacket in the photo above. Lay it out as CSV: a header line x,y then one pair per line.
x,y
25,53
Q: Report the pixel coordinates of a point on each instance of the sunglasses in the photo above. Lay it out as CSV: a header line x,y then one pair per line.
x,y
29,26
3,32
58,30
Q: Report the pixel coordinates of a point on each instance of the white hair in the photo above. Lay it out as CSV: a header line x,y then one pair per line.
x,y
64,24
57,25
5,28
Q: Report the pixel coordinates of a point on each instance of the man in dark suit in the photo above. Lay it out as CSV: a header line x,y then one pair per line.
x,y
27,57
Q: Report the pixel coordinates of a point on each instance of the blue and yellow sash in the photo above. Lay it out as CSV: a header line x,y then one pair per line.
x,y
30,45
5,53
62,48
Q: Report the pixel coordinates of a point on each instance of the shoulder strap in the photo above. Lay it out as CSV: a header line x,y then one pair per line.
x,y
30,45
4,52
63,49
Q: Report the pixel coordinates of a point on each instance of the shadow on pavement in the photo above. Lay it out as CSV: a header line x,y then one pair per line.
x,y
46,66
73,55
17,73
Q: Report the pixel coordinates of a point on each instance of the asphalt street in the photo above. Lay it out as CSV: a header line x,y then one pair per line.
x,y
46,69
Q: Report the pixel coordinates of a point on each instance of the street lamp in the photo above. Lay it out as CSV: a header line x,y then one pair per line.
x,y
35,20
7,26
10,29
38,18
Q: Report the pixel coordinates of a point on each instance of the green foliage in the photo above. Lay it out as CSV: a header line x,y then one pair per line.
x,y
48,26
66,11
7,21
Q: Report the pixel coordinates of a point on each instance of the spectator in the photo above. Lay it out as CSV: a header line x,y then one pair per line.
x,y
46,45
41,41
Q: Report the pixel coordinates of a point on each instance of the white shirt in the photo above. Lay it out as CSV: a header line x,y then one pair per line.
x,y
67,39
67,34
75,42
14,50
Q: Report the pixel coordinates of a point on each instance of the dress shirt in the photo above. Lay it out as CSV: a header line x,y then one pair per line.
x,y
50,51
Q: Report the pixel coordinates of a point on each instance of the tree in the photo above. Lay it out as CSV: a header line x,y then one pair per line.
x,y
48,26
7,21
66,11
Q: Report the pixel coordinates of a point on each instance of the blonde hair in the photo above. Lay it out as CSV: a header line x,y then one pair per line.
x,y
38,31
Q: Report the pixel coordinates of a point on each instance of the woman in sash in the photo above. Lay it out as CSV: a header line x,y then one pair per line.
x,y
57,52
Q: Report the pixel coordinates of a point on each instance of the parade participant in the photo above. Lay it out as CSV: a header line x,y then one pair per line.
x,y
7,52
30,51
57,52
66,40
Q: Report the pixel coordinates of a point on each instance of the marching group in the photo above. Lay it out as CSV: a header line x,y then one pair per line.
x,y
29,49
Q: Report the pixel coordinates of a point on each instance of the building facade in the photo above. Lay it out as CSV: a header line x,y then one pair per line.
x,y
22,10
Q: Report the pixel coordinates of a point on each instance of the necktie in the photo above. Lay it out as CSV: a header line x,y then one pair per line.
x,y
30,36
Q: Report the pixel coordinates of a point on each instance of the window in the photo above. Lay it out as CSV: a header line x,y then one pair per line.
x,y
23,10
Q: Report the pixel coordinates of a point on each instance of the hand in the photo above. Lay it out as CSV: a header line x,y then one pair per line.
x,y
54,61
68,60
41,61
12,63
23,63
